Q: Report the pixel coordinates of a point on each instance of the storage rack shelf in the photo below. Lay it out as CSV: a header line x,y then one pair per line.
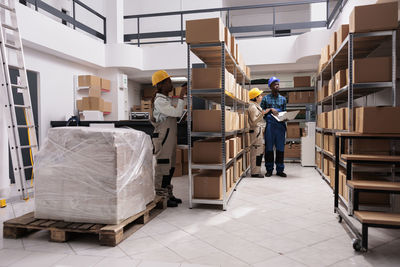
x,y
356,45
216,55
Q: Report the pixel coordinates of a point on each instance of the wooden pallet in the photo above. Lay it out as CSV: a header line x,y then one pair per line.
x,y
60,231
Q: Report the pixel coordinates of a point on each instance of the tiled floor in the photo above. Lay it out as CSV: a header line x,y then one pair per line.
x,y
269,222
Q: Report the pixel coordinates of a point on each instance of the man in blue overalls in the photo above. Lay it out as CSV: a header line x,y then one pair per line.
x,y
275,131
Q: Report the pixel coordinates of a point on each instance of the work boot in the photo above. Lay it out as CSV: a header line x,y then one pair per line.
x,y
257,176
177,200
171,203
268,174
281,174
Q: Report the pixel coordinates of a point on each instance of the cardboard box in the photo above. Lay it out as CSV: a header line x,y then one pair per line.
x,y
145,102
333,44
208,184
149,92
324,56
210,120
239,144
92,103
292,150
107,107
318,139
377,119
326,167
367,198
209,151
233,47
79,104
326,142
302,81
94,91
374,69
340,80
331,147
178,157
227,38
105,84
178,170
89,81
323,92
185,155
329,117
204,31
332,176
331,88
341,35
136,108
232,147
209,78
293,130
377,17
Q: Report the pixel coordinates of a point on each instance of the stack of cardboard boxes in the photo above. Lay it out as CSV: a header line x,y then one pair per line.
x,y
93,101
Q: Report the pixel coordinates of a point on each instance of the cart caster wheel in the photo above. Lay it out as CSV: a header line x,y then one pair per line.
x,y
357,245
340,219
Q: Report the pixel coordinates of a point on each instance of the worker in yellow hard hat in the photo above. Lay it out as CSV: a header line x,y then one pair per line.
x,y
165,134
256,122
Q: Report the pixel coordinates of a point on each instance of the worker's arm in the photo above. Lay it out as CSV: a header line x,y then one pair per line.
x,y
164,107
284,105
254,115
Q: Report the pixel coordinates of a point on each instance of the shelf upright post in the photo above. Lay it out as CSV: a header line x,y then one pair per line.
x,y
351,112
189,126
224,185
394,59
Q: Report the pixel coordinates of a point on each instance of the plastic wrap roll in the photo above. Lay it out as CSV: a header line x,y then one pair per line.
x,y
93,175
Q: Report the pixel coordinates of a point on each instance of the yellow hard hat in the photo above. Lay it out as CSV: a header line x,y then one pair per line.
x,y
253,93
159,76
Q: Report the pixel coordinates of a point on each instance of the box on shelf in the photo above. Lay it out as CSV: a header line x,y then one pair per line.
x,y
326,166
232,148
331,88
239,144
148,92
209,78
233,47
293,130
196,33
107,107
208,184
377,119
105,84
376,17
331,147
326,142
324,56
323,92
227,38
373,69
94,91
79,104
332,176
209,151
341,35
340,79
329,117
318,138
136,108
318,159
92,103
302,81
89,81
367,198
292,150
178,170
333,44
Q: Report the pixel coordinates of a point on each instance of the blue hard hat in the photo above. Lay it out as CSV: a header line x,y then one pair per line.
x,y
272,80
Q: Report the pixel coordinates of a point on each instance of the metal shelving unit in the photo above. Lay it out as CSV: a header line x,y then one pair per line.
x,y
216,55
356,45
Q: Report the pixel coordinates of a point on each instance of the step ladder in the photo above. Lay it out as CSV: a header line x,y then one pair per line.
x,y
12,51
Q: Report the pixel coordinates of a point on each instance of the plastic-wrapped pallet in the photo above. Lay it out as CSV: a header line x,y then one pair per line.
x,y
93,175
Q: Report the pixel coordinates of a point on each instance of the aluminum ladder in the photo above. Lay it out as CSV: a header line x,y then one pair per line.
x,y
12,51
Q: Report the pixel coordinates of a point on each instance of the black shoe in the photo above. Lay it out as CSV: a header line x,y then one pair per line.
x,y
281,174
257,176
177,200
171,204
268,174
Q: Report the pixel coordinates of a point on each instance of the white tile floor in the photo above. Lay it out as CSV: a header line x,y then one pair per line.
x,y
269,222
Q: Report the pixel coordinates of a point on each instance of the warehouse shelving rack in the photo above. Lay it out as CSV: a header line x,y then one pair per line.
x,y
294,106
356,45
215,55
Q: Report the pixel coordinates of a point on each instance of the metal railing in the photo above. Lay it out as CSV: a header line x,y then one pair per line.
x,y
39,4
337,9
277,30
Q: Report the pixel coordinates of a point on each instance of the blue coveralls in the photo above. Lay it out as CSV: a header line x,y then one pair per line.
x,y
274,133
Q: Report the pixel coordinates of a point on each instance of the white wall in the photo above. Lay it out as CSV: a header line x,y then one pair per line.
x,y
55,86
134,94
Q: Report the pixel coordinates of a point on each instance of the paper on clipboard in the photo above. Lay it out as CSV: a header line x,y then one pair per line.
x,y
286,116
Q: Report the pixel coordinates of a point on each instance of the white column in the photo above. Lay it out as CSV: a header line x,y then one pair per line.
x,y
115,21
4,161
